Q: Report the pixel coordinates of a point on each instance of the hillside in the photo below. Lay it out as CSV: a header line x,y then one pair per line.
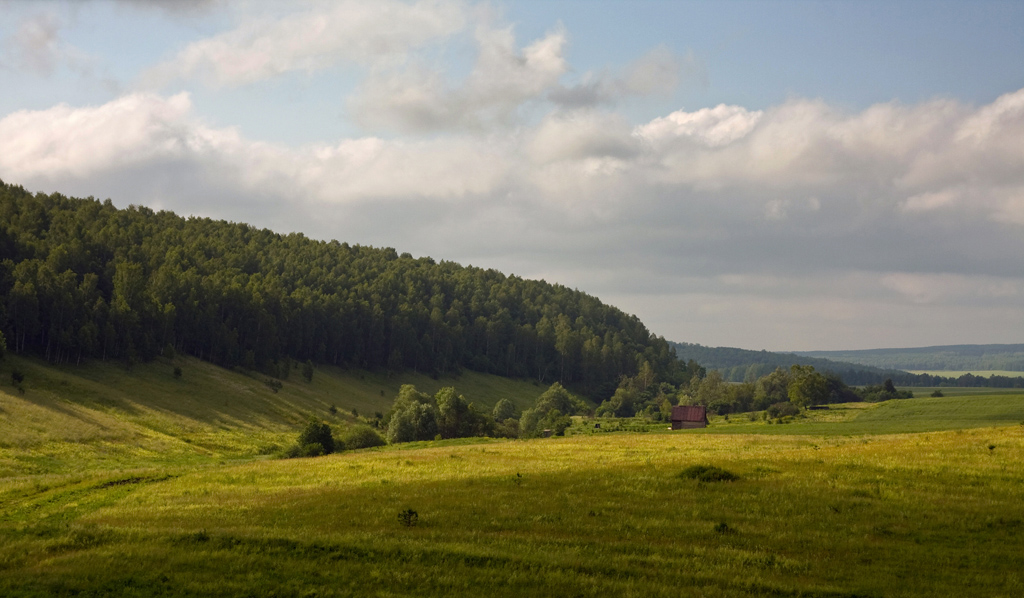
x,y
739,365
102,414
81,279
945,357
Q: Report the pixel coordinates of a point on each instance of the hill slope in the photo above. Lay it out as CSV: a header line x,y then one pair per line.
x,y
102,414
944,357
738,365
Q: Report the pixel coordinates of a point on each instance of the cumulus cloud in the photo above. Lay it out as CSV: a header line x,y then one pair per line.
x,y
659,72
143,131
352,31
418,99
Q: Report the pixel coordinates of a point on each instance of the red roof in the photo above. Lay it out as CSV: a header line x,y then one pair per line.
x,y
689,413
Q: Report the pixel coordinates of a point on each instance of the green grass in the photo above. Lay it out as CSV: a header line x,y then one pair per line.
x,y
116,483
957,391
936,514
928,414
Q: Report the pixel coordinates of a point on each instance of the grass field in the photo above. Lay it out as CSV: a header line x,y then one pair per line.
x,y
858,500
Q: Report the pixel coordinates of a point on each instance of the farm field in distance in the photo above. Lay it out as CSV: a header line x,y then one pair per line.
x,y
958,373
919,497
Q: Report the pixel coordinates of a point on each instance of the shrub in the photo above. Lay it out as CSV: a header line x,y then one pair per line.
x,y
708,473
17,377
359,437
317,432
783,409
274,385
938,393
177,372
408,518
313,449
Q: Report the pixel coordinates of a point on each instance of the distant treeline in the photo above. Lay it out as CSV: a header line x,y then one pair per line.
x,y
963,358
80,278
742,365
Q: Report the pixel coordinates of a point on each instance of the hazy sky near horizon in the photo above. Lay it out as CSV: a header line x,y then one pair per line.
x,y
766,175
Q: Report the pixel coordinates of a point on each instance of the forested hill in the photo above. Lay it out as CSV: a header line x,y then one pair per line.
x,y
945,357
82,279
738,365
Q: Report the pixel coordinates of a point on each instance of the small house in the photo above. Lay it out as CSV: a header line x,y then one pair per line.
x,y
689,416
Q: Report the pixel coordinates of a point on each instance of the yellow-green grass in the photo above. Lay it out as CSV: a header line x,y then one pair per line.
x,y
958,373
103,414
959,391
935,514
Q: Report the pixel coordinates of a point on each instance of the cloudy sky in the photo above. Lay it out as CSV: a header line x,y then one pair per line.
x,y
765,175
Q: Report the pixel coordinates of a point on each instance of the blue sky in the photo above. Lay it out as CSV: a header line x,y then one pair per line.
x,y
778,175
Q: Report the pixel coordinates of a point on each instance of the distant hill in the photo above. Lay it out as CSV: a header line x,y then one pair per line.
x,y
944,357
738,365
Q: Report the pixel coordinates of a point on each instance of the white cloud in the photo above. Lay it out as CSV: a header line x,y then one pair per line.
x,y
713,127
353,31
659,72
142,131
419,99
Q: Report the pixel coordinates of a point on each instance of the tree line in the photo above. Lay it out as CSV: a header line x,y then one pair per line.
x,y
82,279
743,365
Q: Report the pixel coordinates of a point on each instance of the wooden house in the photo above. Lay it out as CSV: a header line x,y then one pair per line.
x,y
689,416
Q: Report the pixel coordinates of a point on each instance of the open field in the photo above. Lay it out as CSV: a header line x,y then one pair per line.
x,y
959,391
934,514
124,484
958,373
926,414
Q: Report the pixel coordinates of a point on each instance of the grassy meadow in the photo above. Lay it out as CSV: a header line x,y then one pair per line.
x,y
105,494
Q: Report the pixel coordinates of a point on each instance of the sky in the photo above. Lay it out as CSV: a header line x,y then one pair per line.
x,y
806,175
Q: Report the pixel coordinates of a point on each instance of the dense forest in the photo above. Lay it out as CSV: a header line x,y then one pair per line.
x,y
742,365
82,279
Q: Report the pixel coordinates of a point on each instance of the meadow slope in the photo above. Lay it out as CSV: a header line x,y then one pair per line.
x,y
104,416
118,483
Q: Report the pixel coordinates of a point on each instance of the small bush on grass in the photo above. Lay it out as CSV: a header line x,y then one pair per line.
x,y
780,410
708,473
358,437
315,440
408,518
313,449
